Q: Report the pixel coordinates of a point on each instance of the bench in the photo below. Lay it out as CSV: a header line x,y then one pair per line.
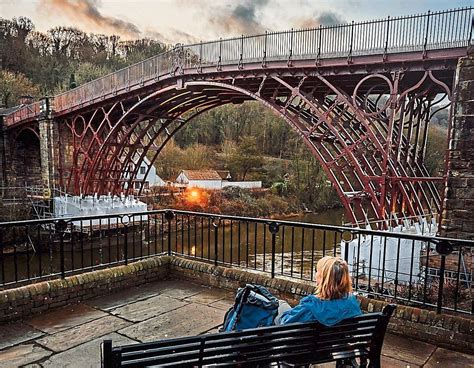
x,y
292,345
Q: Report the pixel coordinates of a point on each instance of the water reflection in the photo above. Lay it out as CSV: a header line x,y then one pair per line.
x,y
233,242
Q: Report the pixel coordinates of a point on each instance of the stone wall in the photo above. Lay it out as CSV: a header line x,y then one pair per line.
x,y
453,332
19,159
457,217
36,298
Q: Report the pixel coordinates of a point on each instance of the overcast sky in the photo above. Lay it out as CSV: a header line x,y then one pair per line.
x,y
186,21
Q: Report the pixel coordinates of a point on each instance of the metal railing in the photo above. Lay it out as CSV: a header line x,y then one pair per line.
x,y
414,269
414,33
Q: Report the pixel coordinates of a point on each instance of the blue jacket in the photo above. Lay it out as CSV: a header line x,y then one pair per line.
x,y
326,312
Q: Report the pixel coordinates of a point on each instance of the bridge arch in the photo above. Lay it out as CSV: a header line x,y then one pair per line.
x,y
331,126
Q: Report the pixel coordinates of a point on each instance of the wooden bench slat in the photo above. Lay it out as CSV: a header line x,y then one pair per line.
x,y
235,334
361,328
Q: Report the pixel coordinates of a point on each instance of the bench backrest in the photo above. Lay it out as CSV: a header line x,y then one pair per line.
x,y
298,343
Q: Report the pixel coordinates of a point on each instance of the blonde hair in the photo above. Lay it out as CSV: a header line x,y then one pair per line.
x,y
334,280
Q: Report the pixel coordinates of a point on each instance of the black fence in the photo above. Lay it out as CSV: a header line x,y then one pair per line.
x,y
413,269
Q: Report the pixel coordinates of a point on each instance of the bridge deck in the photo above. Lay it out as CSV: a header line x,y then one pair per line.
x,y
405,42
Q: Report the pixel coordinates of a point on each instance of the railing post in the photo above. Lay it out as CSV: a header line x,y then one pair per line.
x,y
443,248
439,303
216,239
241,60
386,39
426,33
264,60
318,57
349,56
290,56
219,62
169,216
61,227
200,57
125,220
274,228
183,60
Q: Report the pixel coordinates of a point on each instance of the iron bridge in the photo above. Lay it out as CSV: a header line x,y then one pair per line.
x,y
360,95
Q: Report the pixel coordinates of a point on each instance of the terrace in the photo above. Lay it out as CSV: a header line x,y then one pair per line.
x,y
70,283
70,336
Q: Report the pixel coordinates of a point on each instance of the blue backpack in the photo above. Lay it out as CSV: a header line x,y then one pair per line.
x,y
254,307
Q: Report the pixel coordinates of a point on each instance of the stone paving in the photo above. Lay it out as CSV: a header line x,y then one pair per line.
x,y
71,336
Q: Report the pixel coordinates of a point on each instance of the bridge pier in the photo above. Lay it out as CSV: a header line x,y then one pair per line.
x,y
48,134
458,209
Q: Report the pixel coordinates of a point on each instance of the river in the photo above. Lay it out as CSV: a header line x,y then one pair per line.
x,y
246,244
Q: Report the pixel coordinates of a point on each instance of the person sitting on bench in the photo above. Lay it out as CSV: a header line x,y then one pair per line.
x,y
333,302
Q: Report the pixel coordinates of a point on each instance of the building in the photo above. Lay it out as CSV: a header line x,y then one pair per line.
x,y
206,179
211,179
150,180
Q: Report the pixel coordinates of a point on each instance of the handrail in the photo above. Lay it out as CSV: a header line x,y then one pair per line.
x,y
385,264
415,33
340,229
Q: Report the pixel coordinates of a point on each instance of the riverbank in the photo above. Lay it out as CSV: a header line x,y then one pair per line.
x,y
243,202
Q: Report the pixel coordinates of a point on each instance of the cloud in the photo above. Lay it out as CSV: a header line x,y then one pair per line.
x,y
326,18
241,18
87,12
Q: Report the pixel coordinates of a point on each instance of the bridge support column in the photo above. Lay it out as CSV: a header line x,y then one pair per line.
x,y
3,156
458,208
48,133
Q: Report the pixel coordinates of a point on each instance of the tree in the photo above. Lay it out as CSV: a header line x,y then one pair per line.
x,y
246,157
13,86
86,72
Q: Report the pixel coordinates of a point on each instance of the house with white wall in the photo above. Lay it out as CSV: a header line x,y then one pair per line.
x,y
211,179
150,180
206,179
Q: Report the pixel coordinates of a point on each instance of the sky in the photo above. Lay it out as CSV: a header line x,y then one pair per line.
x,y
189,21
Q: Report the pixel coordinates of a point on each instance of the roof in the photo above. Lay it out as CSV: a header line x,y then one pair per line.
x,y
202,174
224,174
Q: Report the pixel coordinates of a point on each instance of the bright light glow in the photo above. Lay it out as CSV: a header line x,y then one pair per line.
x,y
194,196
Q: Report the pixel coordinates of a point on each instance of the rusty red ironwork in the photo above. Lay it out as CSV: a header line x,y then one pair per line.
x,y
360,96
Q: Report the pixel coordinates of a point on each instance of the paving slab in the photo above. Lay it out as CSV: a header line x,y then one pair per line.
x,y
448,358
192,319
21,355
86,355
148,308
411,351
77,335
208,296
181,289
124,297
224,304
16,333
388,362
63,318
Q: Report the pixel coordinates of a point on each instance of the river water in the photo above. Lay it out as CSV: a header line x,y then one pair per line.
x,y
240,243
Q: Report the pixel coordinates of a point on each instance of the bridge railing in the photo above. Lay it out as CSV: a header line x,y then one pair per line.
x,y
24,113
423,32
419,270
